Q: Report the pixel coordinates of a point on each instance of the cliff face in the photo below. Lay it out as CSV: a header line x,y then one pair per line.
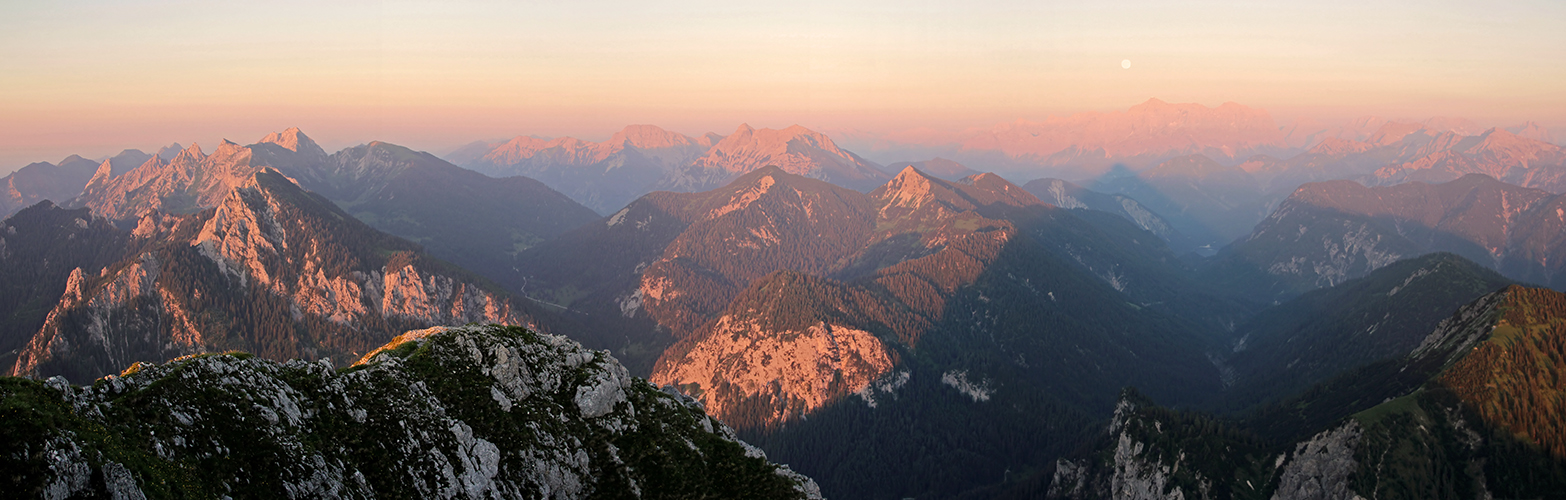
x,y
1139,461
796,372
271,269
1321,467
467,412
459,215
40,247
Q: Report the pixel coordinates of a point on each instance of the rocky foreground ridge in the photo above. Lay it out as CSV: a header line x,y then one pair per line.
x,y
460,412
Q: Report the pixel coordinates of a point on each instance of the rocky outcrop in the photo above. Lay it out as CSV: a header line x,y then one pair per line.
x,y
1140,477
99,322
794,372
1321,467
245,238
1137,470
468,412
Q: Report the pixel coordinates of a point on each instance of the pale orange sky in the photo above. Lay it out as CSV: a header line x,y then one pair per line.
x,y
94,77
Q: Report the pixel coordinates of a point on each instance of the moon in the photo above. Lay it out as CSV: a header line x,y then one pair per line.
x,y
1125,64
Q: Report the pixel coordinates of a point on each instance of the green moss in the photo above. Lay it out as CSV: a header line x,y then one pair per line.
x,y
1376,414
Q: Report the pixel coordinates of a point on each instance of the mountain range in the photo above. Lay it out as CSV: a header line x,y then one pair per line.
x,y
642,158
457,214
1087,144
1212,203
603,176
793,308
1326,233
272,270
915,329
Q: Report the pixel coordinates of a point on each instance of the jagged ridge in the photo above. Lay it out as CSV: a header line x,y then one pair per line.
x,y
467,412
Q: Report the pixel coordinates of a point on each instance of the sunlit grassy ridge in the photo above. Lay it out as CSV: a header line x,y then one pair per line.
x,y
1514,378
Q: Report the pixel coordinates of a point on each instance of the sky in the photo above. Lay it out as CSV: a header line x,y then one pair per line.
x,y
95,77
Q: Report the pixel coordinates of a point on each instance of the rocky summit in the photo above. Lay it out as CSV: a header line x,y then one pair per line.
x,y
461,412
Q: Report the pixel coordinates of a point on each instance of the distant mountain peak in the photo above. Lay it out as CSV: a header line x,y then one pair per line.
x,y
1532,130
1513,148
294,140
751,142
192,153
228,149
766,171
911,188
796,150
907,172
102,175
170,151
1334,146
1459,126
649,137
1391,132
936,167
982,178
1144,133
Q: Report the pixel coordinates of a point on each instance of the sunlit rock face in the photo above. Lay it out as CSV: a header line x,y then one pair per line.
x,y
792,373
459,215
463,412
312,282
